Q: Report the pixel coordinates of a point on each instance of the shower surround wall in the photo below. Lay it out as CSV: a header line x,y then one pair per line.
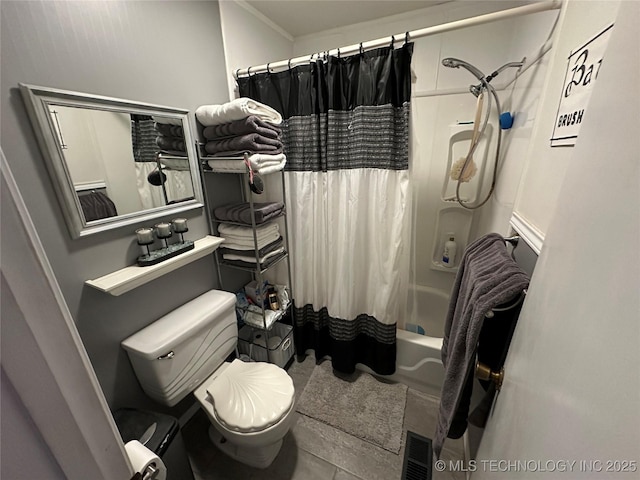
x,y
143,51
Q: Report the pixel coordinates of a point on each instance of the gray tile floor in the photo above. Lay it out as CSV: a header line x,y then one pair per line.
x,y
315,451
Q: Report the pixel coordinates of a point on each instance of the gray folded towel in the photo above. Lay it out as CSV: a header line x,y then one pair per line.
x,y
252,142
171,143
487,277
169,130
241,212
251,124
251,250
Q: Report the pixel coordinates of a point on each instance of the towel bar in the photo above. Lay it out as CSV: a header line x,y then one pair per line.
x,y
483,372
513,240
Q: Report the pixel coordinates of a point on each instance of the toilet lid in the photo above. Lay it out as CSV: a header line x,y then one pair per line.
x,y
249,397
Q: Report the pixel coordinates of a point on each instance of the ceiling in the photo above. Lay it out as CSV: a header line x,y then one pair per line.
x,y
302,17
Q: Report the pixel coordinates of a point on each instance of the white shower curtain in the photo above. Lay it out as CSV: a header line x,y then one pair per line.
x,y
349,246
178,185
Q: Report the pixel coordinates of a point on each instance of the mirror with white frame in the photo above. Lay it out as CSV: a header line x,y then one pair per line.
x,y
114,162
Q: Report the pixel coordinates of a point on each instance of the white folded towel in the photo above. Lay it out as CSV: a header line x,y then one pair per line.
x,y
252,259
209,115
247,244
265,164
260,163
262,231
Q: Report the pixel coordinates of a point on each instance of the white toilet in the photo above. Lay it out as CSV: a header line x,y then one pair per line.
x,y
250,405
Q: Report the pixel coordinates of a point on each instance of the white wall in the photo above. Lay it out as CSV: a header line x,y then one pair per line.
x,y
95,139
572,386
24,452
250,39
81,155
166,53
113,140
546,166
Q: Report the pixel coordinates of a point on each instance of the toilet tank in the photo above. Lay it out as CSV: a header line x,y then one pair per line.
x,y
176,353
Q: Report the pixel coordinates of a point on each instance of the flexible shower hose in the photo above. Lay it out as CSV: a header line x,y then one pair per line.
x,y
490,89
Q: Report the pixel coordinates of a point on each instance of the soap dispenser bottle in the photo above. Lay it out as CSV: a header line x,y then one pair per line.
x,y
449,253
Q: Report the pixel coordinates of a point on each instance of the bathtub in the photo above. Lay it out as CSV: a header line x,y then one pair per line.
x,y
418,363
431,305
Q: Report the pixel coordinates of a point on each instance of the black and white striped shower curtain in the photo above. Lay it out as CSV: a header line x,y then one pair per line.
x,y
346,138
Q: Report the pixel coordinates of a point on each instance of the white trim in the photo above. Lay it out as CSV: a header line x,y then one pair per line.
x,y
44,358
264,19
84,186
527,231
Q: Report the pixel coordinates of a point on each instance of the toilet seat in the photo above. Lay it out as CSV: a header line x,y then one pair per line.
x,y
250,397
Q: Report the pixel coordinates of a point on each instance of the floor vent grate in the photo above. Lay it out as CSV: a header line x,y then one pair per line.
x,y
418,457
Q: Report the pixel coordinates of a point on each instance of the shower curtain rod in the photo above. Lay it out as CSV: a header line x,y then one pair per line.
x,y
412,35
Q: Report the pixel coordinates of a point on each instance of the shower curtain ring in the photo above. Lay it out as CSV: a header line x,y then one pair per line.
x,y
393,40
268,71
249,72
361,49
406,38
289,64
237,72
338,53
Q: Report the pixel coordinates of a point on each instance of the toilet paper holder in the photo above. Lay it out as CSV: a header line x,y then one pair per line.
x,y
150,473
146,464
484,372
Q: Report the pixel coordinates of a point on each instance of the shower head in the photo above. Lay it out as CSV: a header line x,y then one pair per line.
x,y
476,89
457,63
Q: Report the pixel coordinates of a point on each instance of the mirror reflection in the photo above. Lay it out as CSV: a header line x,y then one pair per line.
x,y
120,162
114,162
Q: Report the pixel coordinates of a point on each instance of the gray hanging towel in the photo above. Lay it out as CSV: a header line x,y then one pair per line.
x,y
487,277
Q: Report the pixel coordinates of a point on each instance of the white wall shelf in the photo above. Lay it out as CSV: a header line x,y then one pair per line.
x,y
128,278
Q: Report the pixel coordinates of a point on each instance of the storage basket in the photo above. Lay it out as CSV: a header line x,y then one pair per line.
x,y
280,352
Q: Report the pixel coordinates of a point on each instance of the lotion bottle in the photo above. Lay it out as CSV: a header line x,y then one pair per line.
x,y
449,253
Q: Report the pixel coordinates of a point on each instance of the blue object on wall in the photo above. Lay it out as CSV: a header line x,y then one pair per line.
x,y
506,120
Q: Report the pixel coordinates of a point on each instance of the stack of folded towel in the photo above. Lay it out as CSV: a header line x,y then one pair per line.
x,y
243,125
170,138
241,212
239,248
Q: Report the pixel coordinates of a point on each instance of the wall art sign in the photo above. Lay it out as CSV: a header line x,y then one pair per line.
x,y
582,71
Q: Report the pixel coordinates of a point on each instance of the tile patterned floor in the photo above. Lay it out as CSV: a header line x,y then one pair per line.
x,y
315,451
